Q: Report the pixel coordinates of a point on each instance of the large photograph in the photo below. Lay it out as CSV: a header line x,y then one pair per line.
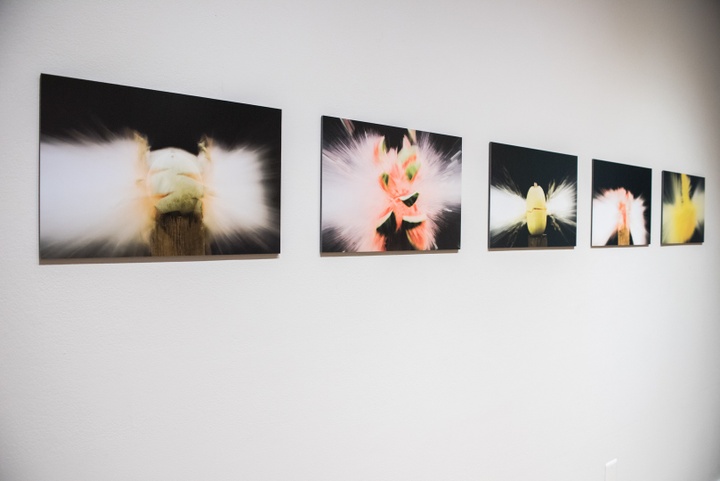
x,y
533,198
621,204
130,172
388,188
683,209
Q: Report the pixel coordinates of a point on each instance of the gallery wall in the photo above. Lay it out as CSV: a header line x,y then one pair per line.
x,y
465,365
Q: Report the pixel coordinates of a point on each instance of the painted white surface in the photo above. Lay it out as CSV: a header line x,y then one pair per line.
x,y
461,366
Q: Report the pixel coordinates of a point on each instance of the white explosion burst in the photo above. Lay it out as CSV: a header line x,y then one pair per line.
x,y
366,186
615,210
101,198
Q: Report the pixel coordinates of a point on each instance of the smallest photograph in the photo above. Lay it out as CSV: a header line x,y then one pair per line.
x,y
621,204
683,209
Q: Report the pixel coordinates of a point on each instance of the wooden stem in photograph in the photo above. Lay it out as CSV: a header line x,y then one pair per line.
x,y
539,240
623,236
177,235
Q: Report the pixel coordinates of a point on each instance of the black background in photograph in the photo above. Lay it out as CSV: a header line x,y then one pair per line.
x,y
334,132
75,110
521,167
637,180
667,193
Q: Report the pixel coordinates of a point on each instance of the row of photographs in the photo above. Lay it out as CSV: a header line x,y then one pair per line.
x,y
130,172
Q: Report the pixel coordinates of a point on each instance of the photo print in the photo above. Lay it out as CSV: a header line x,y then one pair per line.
x,y
683,209
388,188
533,198
621,204
131,172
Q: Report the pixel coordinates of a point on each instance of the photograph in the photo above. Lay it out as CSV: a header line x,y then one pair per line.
x,y
388,188
533,198
621,204
683,209
132,172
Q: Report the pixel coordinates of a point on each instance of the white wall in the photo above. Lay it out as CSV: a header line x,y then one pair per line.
x,y
473,365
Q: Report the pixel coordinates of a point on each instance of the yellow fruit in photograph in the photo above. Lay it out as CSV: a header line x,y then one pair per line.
x,y
684,214
536,210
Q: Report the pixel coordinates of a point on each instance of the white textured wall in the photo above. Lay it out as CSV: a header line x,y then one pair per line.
x,y
473,365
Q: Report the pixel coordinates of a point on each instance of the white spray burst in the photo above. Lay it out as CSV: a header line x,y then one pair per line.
x,y
615,210
92,195
507,209
235,205
562,202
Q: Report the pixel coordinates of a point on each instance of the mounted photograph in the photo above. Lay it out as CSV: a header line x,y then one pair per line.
x,y
621,204
131,172
388,188
683,209
533,198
